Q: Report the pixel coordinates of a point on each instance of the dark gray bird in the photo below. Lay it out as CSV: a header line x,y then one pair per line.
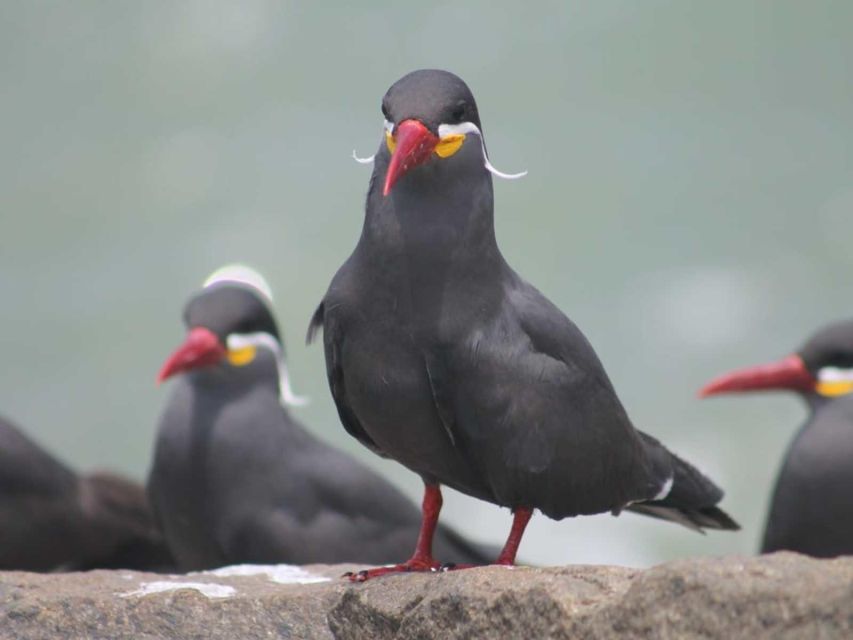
x,y
236,479
51,519
812,507
440,356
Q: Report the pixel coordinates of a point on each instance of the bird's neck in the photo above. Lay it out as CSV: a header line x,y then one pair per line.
x,y
223,383
432,222
427,252
815,401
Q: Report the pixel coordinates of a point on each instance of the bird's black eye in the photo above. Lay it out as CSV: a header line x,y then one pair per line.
x,y
244,326
840,358
385,111
459,111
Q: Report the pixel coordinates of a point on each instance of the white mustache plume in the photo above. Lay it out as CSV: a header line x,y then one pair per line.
x,y
462,128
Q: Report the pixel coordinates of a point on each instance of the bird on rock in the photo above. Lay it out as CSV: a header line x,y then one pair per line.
x,y
811,510
441,357
52,519
236,479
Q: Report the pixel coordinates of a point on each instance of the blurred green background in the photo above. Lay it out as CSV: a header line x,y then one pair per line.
x,y
689,205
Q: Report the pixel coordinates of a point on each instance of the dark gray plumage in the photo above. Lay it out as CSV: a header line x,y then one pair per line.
x,y
812,507
811,510
440,356
51,519
236,479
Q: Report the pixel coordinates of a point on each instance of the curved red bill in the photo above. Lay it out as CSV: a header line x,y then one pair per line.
x,y
200,349
789,373
414,144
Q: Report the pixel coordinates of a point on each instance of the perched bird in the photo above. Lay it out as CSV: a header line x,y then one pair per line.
x,y
440,356
812,507
236,479
51,519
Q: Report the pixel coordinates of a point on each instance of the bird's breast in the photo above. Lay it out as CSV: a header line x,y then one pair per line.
x,y
388,388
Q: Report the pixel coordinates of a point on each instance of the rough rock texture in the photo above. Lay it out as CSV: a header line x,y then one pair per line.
x,y
778,596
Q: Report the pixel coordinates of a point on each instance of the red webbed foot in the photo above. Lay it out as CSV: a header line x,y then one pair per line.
x,y
412,565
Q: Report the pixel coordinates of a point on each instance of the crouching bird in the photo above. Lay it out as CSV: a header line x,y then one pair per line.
x,y
441,357
812,506
236,479
53,519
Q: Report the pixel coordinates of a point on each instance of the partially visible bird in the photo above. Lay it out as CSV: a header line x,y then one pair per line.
x,y
443,358
812,506
236,479
52,519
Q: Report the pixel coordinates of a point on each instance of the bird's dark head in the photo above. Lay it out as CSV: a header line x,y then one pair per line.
x,y
433,98
430,116
231,326
823,366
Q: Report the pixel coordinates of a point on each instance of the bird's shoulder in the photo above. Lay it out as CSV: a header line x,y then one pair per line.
x,y
341,295
529,332
525,347
526,364
548,329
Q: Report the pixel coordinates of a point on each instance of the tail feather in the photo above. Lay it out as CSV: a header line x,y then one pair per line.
x,y
692,499
695,519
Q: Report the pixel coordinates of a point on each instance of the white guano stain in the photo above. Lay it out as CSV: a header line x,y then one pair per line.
x,y
278,573
207,589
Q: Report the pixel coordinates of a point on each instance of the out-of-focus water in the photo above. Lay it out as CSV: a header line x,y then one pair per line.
x,y
689,205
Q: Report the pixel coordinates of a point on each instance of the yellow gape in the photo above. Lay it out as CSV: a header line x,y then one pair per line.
x,y
834,388
445,148
242,356
449,145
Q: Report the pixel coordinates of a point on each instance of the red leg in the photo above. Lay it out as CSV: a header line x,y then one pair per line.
x,y
521,517
430,507
421,559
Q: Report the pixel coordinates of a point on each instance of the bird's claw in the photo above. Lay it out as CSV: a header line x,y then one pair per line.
x,y
419,565
455,566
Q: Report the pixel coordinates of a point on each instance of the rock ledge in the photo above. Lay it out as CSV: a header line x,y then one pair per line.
x,y
777,596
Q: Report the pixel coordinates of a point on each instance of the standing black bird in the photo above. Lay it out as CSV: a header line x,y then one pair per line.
x,y
236,479
51,519
440,356
812,507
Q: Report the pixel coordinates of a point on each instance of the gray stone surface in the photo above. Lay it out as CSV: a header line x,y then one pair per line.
x,y
779,596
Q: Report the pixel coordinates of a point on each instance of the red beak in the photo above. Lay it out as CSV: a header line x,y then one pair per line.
x,y
789,373
201,349
414,145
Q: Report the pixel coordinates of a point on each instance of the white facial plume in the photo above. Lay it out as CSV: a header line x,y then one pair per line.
x,y
463,128
248,277
263,340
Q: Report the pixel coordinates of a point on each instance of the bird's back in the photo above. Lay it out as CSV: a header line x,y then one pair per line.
x,y
51,518
39,512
